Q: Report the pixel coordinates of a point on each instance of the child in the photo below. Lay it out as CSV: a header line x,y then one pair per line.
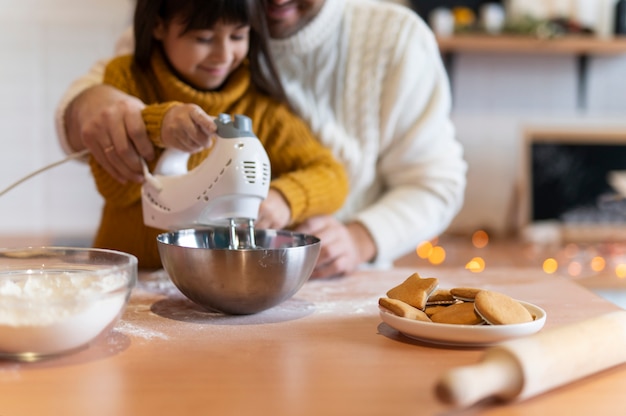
x,y
194,58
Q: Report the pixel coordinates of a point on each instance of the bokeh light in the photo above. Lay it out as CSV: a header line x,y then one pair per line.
x,y
437,255
480,239
620,270
550,265
424,249
598,264
476,265
574,269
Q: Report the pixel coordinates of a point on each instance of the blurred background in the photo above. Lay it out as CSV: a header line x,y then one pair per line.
x,y
44,45
536,84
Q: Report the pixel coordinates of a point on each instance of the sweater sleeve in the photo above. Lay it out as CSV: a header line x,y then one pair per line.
x,y
153,118
420,161
308,176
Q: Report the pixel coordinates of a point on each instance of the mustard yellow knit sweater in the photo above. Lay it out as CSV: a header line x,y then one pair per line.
x,y
311,180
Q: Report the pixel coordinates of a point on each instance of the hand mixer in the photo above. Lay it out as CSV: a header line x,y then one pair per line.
x,y
229,185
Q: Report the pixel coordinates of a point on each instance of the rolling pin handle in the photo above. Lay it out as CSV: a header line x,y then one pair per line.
x,y
498,376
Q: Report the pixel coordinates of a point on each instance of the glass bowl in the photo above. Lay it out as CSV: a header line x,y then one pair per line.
x,y
59,299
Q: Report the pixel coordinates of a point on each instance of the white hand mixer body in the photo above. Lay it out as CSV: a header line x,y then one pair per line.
x,y
228,186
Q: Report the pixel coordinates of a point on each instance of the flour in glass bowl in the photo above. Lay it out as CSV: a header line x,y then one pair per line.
x,y
47,312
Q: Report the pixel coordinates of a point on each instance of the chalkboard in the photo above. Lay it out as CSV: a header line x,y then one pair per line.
x,y
569,181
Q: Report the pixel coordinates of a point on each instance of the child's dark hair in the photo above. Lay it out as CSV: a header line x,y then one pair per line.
x,y
204,14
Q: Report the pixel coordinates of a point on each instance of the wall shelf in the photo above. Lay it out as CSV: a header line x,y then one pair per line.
x,y
572,44
582,47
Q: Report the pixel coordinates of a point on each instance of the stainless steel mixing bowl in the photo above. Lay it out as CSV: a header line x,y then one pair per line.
x,y
238,281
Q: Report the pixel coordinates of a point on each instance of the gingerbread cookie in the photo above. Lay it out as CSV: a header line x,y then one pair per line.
x,y
466,294
441,297
459,314
414,290
399,308
499,309
431,310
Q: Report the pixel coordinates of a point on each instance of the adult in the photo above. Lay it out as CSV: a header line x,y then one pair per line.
x,y
368,78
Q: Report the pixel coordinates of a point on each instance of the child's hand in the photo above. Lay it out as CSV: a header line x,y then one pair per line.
x,y
187,127
274,213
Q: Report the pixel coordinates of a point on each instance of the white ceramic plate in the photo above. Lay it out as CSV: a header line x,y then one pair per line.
x,y
464,335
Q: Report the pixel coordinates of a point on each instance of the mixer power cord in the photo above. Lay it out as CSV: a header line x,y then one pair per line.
x,y
76,155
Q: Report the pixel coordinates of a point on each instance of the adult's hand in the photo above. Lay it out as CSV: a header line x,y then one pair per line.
x,y
344,246
108,123
274,212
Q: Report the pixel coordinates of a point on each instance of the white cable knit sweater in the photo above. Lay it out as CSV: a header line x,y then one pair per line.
x,y
368,78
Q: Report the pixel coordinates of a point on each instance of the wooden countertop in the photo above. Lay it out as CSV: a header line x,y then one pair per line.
x,y
323,352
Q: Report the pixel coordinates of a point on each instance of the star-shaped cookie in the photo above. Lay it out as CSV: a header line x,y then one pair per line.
x,y
414,290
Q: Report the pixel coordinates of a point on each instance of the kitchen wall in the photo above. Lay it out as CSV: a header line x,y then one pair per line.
x,y
499,96
45,44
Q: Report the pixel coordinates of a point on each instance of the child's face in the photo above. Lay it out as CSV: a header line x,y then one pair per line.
x,y
204,58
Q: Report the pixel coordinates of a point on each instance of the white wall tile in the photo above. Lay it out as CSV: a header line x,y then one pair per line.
x,y
491,151
606,85
505,82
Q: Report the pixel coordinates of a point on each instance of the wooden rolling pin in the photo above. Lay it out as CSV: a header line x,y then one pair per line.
x,y
524,367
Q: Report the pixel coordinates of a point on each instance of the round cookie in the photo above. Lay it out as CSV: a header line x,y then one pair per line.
x,y
499,309
459,314
441,297
431,310
466,294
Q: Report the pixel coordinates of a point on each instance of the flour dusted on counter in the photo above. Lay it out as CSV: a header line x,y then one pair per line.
x,y
40,299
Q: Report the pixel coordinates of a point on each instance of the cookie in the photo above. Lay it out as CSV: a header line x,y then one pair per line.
x,y
499,309
431,310
414,290
441,297
399,308
459,314
466,294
